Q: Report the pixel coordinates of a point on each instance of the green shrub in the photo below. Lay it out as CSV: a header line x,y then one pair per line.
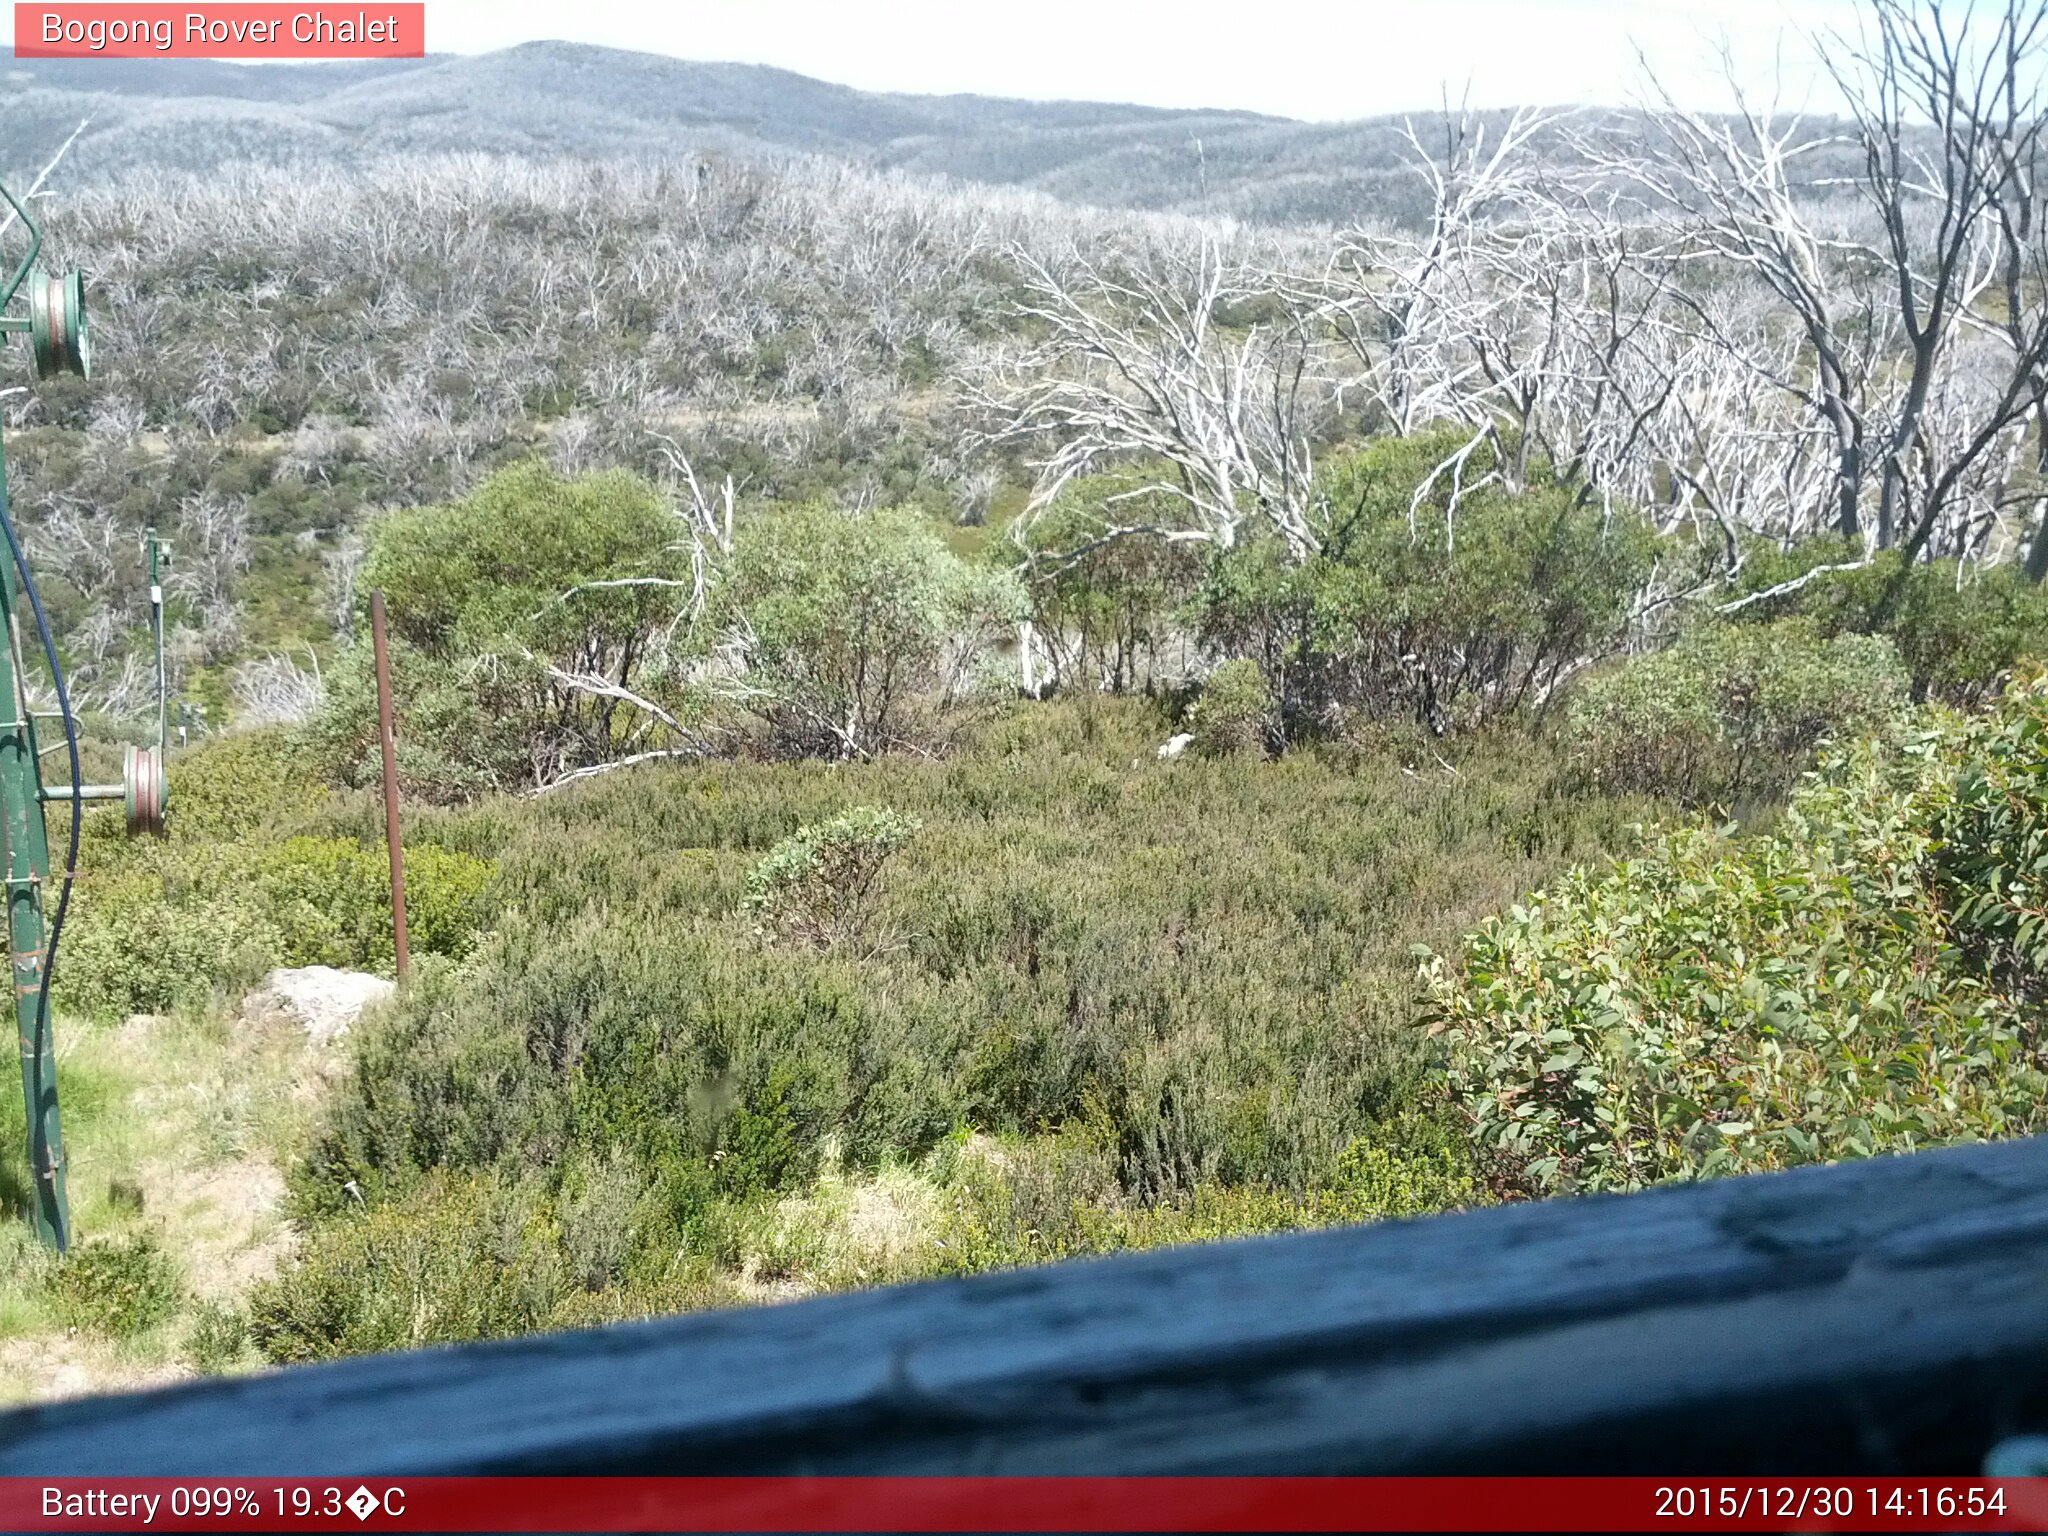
x,y
1210,959
854,630
1234,713
456,740
1105,606
233,786
604,1205
119,1287
1732,711
465,1259
543,626
448,899
331,899
505,558
461,1259
818,885
218,1338
1990,852
492,601
1416,608
1059,1196
135,944
1055,1198
774,1136
1716,1006
1961,630
187,918
1414,1165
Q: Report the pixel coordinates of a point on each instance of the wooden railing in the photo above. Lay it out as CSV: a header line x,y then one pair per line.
x,y
1882,1316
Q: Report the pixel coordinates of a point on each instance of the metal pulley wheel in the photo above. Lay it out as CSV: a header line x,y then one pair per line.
x,y
146,793
57,324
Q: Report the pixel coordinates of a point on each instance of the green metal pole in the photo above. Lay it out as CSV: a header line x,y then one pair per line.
x,y
25,840
156,619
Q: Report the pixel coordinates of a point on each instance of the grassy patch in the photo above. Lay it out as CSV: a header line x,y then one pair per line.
x,y
176,1128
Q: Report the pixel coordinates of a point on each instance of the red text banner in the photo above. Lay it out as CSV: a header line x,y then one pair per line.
x,y
233,31
1023,1504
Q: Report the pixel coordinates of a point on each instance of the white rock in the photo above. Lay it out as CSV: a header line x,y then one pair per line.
x,y
1175,745
319,999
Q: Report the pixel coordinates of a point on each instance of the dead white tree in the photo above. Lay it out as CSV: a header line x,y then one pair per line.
x,y
1734,456
1399,298
1948,119
1740,186
1168,362
707,522
276,690
35,187
1940,242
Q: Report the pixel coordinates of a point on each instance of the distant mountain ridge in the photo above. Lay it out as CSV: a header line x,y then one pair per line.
x,y
555,98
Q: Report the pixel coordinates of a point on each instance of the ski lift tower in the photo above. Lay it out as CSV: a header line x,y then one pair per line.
x,y
59,342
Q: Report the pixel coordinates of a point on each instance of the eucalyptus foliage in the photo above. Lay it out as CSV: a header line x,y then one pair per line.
x,y
1960,628
851,632
1861,980
525,619
1733,710
1439,594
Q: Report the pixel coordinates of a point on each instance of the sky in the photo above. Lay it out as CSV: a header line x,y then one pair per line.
x,y
1323,59
1319,59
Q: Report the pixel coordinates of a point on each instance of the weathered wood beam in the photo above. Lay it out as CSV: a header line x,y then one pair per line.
x,y
1889,1315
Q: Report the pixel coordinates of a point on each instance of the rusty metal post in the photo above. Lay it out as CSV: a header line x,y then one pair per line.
x,y
384,730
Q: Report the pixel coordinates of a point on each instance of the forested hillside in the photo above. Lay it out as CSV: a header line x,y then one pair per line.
x,y
551,99
945,727
547,100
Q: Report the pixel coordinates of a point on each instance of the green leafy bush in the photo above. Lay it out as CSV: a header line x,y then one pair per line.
x,y
185,918
856,632
1961,630
504,558
454,740
1059,1197
1105,606
1415,607
1206,964
331,899
1732,710
218,1338
1839,988
818,885
1174,1003
118,1287
234,786
1234,713
472,1259
1413,1165
1990,851
494,601
464,1258
541,626
129,948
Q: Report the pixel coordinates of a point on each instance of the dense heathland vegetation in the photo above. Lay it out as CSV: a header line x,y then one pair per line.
x,y
887,969
942,730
